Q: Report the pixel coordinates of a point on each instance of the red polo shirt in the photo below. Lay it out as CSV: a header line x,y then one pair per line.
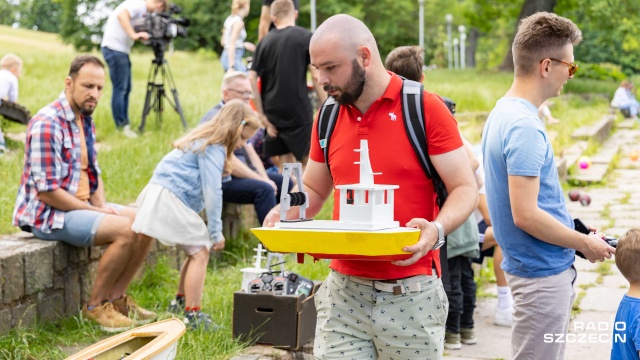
x,y
392,154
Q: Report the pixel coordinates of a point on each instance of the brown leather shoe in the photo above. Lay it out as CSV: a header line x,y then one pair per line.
x,y
128,307
109,319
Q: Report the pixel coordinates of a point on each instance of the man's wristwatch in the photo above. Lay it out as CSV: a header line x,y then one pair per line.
x,y
440,240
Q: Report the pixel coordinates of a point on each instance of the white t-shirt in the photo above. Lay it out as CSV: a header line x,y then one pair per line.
x,y
114,37
228,29
8,86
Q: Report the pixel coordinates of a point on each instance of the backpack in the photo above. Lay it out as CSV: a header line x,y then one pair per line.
x,y
413,115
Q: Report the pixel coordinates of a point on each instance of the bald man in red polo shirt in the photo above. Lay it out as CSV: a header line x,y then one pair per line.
x,y
358,316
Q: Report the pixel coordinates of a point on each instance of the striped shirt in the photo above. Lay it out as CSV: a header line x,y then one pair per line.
x,y
52,161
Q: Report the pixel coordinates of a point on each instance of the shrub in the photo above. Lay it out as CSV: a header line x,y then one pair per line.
x,y
601,71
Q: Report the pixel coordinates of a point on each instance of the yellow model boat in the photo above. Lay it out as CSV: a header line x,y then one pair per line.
x,y
155,341
366,228
327,243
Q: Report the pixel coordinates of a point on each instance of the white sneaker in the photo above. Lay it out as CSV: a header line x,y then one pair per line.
x,y
126,131
502,317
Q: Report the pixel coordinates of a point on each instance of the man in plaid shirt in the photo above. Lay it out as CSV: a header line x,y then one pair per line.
x,y
61,196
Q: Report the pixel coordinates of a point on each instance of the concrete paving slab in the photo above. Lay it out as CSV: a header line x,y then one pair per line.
x,y
584,266
616,231
624,208
494,342
624,214
626,124
626,222
602,298
605,155
585,277
590,336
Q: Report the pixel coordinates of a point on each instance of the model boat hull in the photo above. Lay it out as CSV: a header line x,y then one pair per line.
x,y
383,245
156,341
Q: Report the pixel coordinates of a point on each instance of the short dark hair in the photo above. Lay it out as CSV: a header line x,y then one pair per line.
x,y
281,9
539,36
81,61
406,61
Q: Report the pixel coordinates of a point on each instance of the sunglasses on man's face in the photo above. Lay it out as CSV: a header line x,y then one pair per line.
x,y
573,67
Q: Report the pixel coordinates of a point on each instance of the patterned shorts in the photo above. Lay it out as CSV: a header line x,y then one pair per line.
x,y
356,321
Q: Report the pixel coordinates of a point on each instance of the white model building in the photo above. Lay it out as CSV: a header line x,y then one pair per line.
x,y
363,206
365,203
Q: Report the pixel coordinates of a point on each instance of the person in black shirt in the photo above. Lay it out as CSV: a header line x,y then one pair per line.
x,y
281,61
266,24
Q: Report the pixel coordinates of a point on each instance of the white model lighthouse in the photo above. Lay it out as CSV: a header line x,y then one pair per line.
x,y
365,230
366,205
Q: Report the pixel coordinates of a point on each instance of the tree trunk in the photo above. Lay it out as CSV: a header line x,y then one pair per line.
x,y
529,7
472,46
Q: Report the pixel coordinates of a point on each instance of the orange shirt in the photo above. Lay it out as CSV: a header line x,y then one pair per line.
x,y
392,154
84,191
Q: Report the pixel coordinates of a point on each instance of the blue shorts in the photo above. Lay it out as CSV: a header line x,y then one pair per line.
x,y
79,229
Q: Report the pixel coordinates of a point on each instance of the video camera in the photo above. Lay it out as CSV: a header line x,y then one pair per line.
x,y
162,27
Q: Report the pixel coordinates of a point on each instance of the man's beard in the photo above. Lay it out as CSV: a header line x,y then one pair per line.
x,y
353,88
86,110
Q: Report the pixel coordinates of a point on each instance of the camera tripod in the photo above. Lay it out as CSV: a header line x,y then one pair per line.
x,y
156,93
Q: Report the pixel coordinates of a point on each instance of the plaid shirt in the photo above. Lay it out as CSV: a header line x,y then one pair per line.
x,y
52,161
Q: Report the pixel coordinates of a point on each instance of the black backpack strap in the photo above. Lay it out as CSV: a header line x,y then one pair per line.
x,y
413,115
326,124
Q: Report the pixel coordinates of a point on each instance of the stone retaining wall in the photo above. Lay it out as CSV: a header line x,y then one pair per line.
x,y
50,279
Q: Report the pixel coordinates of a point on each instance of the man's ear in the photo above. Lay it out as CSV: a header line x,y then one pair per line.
x,y
544,67
68,81
365,53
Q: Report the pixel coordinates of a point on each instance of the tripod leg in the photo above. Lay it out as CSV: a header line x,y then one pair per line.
x,y
150,97
147,105
176,101
178,107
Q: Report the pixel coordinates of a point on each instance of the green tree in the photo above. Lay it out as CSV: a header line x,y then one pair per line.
x,y
42,15
7,12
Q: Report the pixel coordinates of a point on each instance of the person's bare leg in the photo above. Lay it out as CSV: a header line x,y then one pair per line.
x,y
501,280
183,272
195,275
141,247
116,231
490,240
286,158
277,162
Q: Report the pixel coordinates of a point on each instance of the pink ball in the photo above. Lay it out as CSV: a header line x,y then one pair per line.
x,y
584,162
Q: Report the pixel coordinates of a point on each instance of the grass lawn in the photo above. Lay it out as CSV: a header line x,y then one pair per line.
x,y
127,165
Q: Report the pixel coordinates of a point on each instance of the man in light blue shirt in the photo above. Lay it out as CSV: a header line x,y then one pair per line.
x,y
526,203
